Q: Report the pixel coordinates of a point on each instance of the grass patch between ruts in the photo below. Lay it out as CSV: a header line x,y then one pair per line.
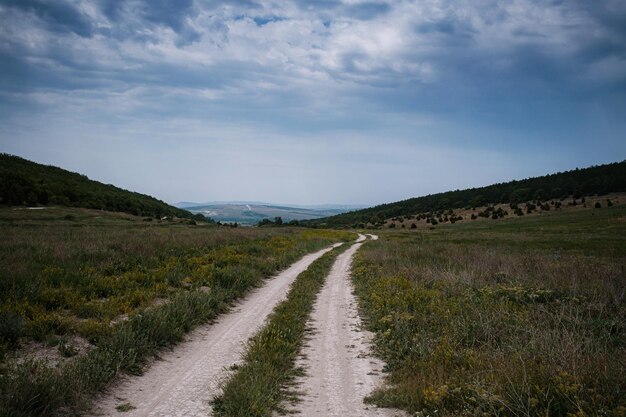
x,y
258,386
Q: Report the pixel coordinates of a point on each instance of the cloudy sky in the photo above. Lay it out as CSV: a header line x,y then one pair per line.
x,y
312,101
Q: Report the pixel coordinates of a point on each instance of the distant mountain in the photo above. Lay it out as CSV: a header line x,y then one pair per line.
x,y
250,213
595,180
342,207
185,204
27,183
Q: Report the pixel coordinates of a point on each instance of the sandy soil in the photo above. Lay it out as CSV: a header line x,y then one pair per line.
x,y
340,370
183,382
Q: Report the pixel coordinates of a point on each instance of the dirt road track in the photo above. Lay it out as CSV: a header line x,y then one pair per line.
x,y
183,382
340,371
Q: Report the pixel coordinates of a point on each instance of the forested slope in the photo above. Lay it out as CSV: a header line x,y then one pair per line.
x,y
596,180
26,183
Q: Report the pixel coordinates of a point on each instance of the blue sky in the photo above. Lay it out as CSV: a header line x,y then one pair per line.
x,y
312,102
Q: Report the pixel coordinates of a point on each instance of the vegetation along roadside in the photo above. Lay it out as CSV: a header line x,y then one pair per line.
x,y
120,286
260,384
520,318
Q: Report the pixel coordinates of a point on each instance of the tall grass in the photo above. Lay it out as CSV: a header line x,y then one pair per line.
x,y
472,326
64,277
35,389
69,281
258,386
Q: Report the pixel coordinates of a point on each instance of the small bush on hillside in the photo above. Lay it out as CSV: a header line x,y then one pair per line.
x,y
598,205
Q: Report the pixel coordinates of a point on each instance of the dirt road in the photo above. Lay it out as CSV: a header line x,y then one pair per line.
x,y
183,382
340,371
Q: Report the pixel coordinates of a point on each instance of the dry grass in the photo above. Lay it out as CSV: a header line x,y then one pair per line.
x,y
526,319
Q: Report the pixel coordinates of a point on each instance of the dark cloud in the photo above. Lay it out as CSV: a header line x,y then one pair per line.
x,y
59,16
174,14
610,41
170,13
448,26
15,74
528,33
367,11
264,20
217,4
318,6
187,35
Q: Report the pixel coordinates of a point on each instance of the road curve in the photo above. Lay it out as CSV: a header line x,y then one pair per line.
x,y
183,382
340,371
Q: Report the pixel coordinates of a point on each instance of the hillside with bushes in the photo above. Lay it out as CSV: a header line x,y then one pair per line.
x,y
26,183
595,180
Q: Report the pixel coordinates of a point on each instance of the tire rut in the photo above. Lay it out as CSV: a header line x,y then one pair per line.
x,y
340,370
186,378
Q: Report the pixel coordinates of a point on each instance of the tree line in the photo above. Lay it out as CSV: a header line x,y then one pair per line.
x,y
595,180
26,183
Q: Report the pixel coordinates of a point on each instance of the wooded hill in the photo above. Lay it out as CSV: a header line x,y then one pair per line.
x,y
26,183
596,180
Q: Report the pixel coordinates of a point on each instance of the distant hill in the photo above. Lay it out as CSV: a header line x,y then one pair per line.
x,y
596,180
339,207
26,183
253,212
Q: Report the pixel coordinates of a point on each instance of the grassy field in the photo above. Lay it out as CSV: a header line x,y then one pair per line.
x,y
85,294
514,317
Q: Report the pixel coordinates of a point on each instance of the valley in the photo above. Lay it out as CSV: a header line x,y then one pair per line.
x,y
251,213
503,309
